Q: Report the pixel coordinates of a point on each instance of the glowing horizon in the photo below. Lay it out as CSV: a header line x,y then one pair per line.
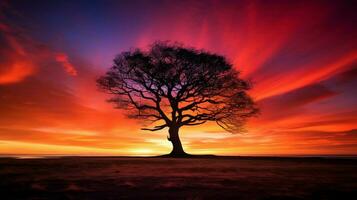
x,y
301,57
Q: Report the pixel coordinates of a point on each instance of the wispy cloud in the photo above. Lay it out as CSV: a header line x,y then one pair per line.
x,y
63,59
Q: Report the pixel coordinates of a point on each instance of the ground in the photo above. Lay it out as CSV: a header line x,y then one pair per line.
x,y
178,178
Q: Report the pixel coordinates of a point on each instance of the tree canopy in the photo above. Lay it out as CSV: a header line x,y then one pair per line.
x,y
173,86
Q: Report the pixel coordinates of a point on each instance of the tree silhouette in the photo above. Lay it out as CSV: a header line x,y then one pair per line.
x,y
172,86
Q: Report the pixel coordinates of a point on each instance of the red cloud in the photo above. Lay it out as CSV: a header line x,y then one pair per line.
x,y
63,59
21,56
15,72
14,63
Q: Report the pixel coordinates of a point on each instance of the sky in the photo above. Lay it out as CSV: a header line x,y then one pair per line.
x,y
301,57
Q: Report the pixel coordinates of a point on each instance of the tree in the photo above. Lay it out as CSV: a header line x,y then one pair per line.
x,y
171,86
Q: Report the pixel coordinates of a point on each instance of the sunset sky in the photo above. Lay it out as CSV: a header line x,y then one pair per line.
x,y
301,57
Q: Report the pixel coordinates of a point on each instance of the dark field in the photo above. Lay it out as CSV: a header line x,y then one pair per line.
x,y
165,178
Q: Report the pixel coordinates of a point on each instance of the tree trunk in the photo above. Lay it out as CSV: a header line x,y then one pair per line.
x,y
177,150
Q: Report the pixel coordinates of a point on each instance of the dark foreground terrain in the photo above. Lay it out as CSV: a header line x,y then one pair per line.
x,y
167,178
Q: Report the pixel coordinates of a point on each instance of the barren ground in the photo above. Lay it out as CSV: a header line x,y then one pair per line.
x,y
168,178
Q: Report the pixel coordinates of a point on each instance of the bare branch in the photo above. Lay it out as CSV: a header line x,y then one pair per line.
x,y
179,87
